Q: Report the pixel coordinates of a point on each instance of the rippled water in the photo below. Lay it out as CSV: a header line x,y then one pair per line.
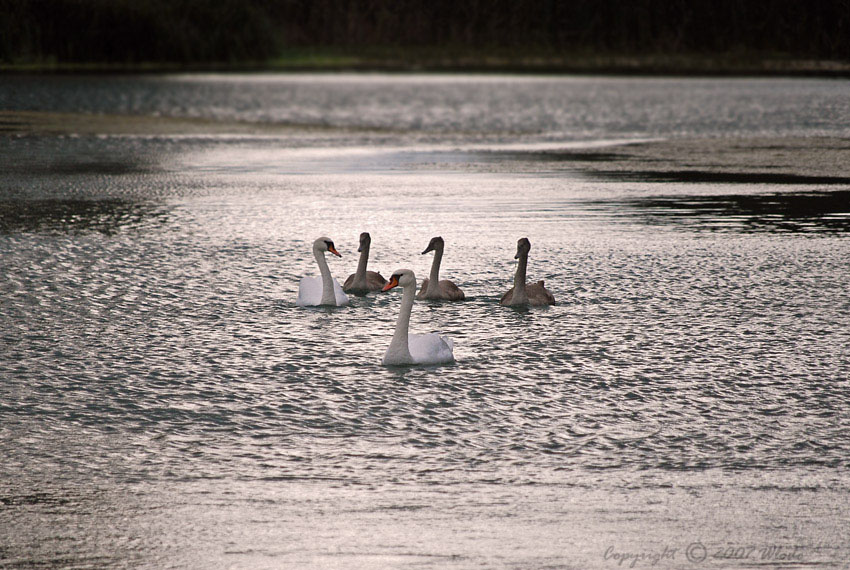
x,y
165,403
554,108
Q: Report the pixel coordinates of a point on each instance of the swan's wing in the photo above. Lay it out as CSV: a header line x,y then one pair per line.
x,y
539,295
421,294
430,348
375,281
341,297
309,292
451,291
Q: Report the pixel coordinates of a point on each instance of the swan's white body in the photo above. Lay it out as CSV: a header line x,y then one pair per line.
x,y
311,293
363,282
324,290
522,294
408,348
432,287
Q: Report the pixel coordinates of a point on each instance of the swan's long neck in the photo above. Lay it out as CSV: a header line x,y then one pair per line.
x,y
399,345
434,278
520,294
360,274
328,296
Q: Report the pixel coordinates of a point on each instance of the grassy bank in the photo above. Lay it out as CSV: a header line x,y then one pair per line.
x,y
543,61
394,59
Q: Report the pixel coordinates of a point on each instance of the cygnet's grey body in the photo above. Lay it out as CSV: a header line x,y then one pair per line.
x,y
432,287
362,281
522,293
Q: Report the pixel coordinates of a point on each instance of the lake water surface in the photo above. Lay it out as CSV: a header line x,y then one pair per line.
x,y
164,403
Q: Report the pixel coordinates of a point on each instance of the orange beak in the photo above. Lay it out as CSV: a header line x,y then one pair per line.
x,y
393,283
333,250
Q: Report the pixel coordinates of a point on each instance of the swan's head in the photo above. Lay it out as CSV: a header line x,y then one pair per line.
x,y
522,247
324,244
403,277
435,243
365,240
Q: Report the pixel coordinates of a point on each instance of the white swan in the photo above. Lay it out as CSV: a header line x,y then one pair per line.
x,y
522,294
415,348
362,282
433,288
322,290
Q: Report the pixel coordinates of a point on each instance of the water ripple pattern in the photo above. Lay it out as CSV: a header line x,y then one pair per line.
x,y
156,377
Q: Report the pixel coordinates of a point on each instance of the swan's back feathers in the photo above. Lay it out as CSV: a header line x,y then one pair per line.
x,y
451,291
341,297
374,283
431,348
538,295
507,297
447,291
310,293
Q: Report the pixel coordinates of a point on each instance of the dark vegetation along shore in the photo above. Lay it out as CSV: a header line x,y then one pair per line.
x,y
679,36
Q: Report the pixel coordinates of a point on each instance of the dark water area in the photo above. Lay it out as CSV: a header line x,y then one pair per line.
x,y
74,216
686,176
787,212
165,403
